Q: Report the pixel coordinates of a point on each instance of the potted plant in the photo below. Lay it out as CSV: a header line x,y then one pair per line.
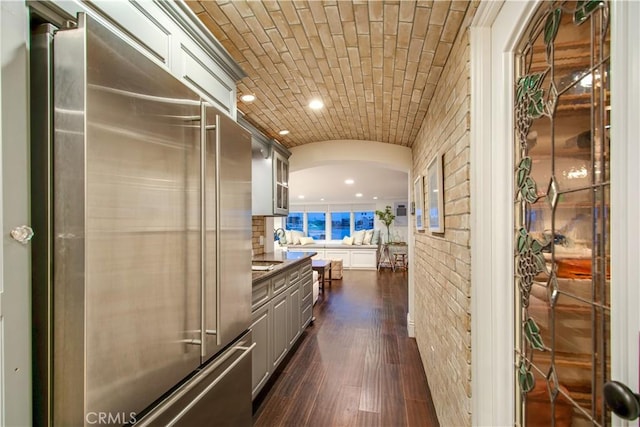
x,y
387,218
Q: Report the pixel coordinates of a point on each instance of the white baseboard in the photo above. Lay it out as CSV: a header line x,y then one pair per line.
x,y
411,327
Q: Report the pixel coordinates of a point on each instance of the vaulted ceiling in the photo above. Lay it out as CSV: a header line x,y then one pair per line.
x,y
374,64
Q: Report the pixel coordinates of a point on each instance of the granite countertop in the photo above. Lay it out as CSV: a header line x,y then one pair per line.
x,y
283,260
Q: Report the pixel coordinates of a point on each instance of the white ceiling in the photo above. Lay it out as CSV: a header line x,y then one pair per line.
x,y
327,182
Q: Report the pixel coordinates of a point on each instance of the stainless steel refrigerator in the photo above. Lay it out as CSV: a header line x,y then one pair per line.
x,y
141,201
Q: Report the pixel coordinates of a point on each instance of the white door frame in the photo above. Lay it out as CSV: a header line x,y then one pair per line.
x,y
494,32
15,258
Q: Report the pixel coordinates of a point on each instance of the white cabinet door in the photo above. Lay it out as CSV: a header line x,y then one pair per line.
x,y
203,75
293,304
363,259
279,328
261,354
149,27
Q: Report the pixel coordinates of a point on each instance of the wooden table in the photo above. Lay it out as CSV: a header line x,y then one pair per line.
x,y
322,266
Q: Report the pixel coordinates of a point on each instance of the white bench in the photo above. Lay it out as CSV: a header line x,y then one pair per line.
x,y
353,256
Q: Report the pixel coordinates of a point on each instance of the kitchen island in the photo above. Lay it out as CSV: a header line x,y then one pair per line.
x,y
281,308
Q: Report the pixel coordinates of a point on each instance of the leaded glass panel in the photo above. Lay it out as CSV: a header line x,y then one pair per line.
x,y
561,180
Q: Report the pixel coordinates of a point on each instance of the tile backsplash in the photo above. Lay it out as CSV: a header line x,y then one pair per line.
x,y
257,230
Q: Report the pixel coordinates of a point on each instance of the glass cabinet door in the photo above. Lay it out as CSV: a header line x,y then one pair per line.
x,y
281,190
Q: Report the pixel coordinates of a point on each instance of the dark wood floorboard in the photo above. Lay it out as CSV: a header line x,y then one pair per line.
x,y
355,365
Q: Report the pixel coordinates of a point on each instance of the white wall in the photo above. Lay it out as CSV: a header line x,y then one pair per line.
x,y
325,152
390,156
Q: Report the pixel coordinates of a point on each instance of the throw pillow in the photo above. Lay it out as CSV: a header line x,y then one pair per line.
x,y
306,240
376,237
296,235
347,240
368,235
358,237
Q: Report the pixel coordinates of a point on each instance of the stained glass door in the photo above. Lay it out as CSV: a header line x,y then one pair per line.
x,y
562,207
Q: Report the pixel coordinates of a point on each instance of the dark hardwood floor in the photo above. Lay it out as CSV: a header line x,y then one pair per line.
x,y
355,365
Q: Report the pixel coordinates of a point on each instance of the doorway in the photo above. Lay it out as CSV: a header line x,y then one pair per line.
x,y
495,35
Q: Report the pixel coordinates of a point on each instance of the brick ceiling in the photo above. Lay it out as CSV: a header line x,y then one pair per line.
x,y
374,64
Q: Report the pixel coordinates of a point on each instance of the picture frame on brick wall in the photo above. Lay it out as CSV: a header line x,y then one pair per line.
x,y
418,195
435,195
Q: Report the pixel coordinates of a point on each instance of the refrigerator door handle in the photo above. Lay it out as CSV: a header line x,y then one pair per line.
x,y
205,128
218,233
203,228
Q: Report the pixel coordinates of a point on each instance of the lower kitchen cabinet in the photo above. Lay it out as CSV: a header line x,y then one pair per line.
x,y
281,310
261,356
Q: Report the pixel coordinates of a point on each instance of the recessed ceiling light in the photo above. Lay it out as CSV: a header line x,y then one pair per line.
x,y
248,97
301,197
322,199
284,132
316,104
358,194
349,181
375,197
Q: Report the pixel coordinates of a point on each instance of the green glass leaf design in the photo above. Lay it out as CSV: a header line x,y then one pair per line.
x,y
525,378
529,190
536,108
539,262
524,169
536,246
551,26
529,262
526,185
532,332
527,84
522,240
530,95
584,8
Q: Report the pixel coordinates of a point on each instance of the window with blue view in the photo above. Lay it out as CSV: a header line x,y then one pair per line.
x,y
295,221
340,225
363,220
317,225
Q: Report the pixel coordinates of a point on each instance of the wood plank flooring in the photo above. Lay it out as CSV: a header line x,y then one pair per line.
x,y
355,365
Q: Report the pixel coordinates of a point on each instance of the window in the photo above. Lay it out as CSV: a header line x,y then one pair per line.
x,y
295,221
340,225
363,220
317,225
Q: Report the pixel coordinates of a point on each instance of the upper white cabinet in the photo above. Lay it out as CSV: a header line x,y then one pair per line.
x,y
170,34
270,174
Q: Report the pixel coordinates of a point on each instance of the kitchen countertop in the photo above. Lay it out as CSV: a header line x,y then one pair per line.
x,y
285,260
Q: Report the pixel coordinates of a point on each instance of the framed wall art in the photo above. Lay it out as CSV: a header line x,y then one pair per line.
x,y
418,195
435,195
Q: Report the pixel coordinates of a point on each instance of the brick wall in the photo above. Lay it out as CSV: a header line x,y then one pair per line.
x,y
442,277
257,230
